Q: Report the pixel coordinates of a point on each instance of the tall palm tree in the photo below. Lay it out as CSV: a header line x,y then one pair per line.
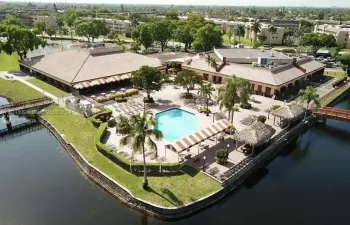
x,y
308,95
240,31
208,59
235,91
214,63
256,28
138,130
206,91
272,29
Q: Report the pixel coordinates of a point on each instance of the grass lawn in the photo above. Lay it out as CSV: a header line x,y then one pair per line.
x,y
122,37
8,62
16,91
165,191
334,74
244,41
48,88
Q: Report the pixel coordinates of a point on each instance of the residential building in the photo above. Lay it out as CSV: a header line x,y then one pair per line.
x,y
269,72
119,26
340,32
276,38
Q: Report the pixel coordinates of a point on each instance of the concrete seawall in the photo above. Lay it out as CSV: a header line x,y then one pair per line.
x,y
174,213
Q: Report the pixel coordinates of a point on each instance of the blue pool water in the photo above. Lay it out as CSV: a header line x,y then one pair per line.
x,y
176,123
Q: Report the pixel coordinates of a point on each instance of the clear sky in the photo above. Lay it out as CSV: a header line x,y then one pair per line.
x,y
315,3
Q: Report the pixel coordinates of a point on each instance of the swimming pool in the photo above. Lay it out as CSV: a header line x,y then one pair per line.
x,y
176,123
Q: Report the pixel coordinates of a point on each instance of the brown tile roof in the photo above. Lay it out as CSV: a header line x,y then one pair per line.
x,y
74,65
264,75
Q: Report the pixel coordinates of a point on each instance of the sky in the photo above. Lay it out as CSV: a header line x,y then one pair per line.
x,y
314,3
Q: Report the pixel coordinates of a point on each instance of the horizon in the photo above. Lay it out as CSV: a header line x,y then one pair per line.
x,y
268,3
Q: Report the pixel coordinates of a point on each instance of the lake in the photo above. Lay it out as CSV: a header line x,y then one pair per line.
x,y
307,184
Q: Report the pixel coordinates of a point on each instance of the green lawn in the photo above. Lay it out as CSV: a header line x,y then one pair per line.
x,y
48,88
16,91
334,95
334,74
122,37
244,41
8,62
166,191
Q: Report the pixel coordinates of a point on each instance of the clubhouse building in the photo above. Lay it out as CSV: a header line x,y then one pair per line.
x,y
87,67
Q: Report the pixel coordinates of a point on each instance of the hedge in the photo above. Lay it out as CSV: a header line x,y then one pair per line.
x,y
95,119
153,168
127,93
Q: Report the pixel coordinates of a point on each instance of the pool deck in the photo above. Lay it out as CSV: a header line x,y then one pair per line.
x,y
169,97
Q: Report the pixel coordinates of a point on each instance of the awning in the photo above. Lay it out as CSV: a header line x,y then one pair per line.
x,y
195,138
97,82
82,85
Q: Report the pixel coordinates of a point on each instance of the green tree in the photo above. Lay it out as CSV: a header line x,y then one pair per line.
x,y
206,90
185,34
69,16
187,79
317,41
345,60
256,28
309,95
135,46
171,15
207,37
272,29
41,26
19,40
229,35
240,31
59,21
161,32
334,51
138,131
148,78
145,36
50,30
262,38
112,35
92,29
236,90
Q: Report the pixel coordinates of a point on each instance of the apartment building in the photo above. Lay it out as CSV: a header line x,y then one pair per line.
x,y
276,38
340,32
119,26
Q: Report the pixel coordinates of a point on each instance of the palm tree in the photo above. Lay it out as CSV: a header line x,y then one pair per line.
x,y
240,31
138,130
235,91
206,91
272,29
213,63
308,95
256,28
208,59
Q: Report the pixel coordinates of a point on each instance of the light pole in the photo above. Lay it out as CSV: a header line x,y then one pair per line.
x,y
228,146
204,163
213,117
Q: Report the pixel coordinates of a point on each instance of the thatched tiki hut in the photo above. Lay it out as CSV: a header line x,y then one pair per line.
x,y
255,135
288,113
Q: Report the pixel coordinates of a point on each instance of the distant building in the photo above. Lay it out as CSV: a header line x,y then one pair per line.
x,y
340,32
282,23
276,38
119,26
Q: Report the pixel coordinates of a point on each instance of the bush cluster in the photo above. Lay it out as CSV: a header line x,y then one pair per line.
x,y
204,109
245,105
101,117
274,107
125,163
261,118
148,100
118,95
221,156
121,99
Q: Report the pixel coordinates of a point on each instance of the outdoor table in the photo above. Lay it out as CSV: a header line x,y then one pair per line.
x,y
113,92
103,94
123,89
93,96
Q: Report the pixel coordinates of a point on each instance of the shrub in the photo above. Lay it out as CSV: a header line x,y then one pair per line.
x,y
221,156
274,107
101,99
245,105
148,100
121,99
261,118
125,163
111,122
288,50
98,118
131,92
204,109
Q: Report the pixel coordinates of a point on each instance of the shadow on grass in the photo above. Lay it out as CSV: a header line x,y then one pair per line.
x,y
190,171
167,195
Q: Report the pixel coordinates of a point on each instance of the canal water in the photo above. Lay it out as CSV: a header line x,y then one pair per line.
x,y
307,184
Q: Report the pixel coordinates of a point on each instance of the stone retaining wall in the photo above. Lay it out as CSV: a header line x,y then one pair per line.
x,y
117,190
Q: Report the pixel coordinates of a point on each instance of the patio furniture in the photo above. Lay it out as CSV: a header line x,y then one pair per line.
x,y
103,94
113,92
